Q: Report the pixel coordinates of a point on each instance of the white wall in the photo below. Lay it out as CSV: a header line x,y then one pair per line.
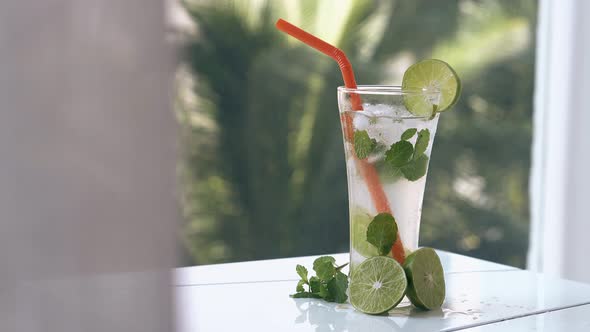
x,y
87,159
560,179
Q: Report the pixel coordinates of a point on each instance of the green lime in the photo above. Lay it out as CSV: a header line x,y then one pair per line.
x,y
359,221
431,75
377,285
426,279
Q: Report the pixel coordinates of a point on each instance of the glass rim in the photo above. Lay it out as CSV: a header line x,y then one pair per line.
x,y
394,90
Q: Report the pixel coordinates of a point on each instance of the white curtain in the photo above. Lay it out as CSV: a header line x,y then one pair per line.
x,y
560,177
87,155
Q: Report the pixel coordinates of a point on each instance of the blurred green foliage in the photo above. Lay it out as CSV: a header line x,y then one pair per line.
x,y
262,170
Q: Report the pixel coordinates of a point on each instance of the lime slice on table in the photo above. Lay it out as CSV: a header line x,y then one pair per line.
x,y
431,75
359,221
426,280
377,285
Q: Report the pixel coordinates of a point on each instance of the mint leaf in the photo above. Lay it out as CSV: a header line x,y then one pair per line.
x,y
324,292
363,144
302,272
416,168
337,288
399,154
422,142
395,172
305,295
382,232
300,288
409,133
388,173
380,148
314,284
324,267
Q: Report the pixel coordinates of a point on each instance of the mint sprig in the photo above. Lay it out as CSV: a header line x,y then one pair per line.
x,y
329,283
409,160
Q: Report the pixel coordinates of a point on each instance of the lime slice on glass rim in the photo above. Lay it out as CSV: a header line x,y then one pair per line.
x,y
431,75
377,285
426,280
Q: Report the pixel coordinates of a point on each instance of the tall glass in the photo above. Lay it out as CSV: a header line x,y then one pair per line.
x,y
383,178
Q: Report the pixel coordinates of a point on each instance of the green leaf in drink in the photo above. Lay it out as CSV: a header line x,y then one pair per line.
x,y
399,154
416,168
388,173
409,133
426,279
377,285
363,144
382,232
422,142
406,159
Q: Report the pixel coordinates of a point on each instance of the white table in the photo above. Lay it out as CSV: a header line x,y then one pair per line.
x,y
481,297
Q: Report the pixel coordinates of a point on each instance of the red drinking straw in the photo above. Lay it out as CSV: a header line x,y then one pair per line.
x,y
367,170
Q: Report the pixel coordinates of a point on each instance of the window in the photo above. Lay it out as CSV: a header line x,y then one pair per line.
x,y
262,169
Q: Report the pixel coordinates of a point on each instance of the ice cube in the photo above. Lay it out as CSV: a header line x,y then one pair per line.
x,y
381,110
361,121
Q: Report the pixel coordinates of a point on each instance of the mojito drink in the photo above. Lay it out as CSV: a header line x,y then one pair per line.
x,y
388,133
395,146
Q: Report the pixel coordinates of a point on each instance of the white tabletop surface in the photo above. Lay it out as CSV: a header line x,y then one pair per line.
x,y
481,296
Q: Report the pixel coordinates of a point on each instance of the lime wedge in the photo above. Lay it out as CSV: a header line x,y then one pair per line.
x,y
426,280
431,75
377,285
359,221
